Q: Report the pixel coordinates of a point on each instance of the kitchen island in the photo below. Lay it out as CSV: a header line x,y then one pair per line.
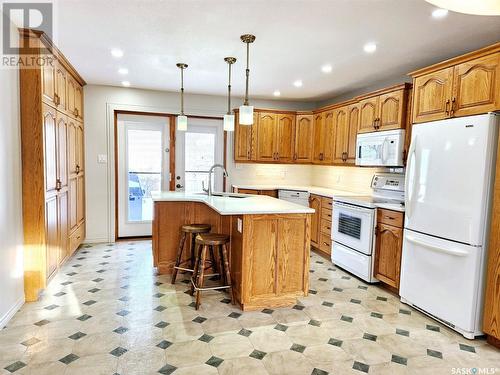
x,y
269,248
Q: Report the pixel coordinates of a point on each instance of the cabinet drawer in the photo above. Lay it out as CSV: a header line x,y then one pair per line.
x,y
76,238
326,227
389,217
325,243
326,214
327,203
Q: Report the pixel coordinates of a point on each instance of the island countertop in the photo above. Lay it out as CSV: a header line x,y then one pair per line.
x,y
235,205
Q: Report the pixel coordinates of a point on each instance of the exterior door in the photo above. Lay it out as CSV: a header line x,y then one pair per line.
x,y
196,150
432,96
143,167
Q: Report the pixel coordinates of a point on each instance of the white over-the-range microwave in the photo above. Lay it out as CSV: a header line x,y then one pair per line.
x,y
380,148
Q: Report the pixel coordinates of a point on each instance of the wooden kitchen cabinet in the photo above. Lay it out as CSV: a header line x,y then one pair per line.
x,y
463,86
303,139
315,203
285,141
388,248
266,137
243,139
270,193
384,111
50,146
346,131
324,142
352,121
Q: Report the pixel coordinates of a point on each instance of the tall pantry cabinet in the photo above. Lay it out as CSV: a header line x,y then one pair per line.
x,y
52,135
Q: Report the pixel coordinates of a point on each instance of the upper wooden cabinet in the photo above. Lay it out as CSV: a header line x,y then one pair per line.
x,y
324,143
243,139
60,88
303,139
285,141
384,109
346,126
266,137
462,86
352,121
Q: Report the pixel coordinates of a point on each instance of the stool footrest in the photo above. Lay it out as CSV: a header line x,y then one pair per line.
x,y
210,288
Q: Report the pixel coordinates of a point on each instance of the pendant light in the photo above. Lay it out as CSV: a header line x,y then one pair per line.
x,y
229,117
182,118
476,7
246,111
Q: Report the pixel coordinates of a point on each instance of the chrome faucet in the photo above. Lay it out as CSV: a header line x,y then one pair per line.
x,y
209,190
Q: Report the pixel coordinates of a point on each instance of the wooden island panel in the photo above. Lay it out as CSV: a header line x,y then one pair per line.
x,y
269,254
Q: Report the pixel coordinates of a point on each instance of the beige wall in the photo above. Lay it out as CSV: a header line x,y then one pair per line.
x,y
100,100
354,179
11,237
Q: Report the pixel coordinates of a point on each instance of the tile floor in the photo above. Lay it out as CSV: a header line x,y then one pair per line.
x,y
106,312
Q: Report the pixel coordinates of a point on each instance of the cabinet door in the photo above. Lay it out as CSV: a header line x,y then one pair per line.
x,y
51,235
388,254
432,95
319,125
80,203
266,137
352,134
243,140
315,202
328,136
368,113
341,135
60,86
79,102
49,81
73,156
50,148
291,257
70,96
391,111
303,139
80,148
476,87
62,205
285,137
62,150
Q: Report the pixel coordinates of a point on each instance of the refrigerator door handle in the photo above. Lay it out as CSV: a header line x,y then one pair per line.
x,y
410,170
448,250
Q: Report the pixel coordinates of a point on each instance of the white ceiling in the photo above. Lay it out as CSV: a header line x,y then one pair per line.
x,y
294,39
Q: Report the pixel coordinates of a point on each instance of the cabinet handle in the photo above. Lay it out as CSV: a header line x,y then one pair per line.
x,y
248,155
295,156
446,109
453,101
77,169
75,112
58,184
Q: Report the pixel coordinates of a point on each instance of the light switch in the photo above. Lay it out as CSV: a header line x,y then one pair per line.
x,y
102,158
240,225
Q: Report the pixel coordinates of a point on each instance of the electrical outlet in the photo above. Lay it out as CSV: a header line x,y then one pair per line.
x,y
102,158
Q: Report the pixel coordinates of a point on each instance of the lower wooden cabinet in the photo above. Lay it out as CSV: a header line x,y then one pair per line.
x,y
321,224
389,245
270,193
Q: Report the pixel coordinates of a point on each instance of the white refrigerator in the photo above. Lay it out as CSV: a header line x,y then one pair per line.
x,y
449,182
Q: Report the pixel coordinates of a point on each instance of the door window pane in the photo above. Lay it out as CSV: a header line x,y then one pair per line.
x,y
199,157
144,172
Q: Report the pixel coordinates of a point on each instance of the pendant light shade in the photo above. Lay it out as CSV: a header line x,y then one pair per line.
x,y
477,7
229,117
182,119
246,110
228,123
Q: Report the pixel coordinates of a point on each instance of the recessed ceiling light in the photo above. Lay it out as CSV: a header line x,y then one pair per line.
x,y
298,83
126,83
123,71
276,93
116,52
439,13
370,47
326,68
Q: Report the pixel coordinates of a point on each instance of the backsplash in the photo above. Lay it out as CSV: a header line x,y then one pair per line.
x,y
264,174
356,179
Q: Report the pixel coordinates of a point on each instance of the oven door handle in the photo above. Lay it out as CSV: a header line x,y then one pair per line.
x,y
347,206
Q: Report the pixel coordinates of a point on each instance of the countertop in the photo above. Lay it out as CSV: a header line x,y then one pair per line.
x,y
226,205
325,192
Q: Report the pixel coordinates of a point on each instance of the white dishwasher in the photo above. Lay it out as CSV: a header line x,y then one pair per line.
x,y
295,196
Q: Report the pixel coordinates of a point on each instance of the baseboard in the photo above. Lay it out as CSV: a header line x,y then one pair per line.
x,y
95,240
8,316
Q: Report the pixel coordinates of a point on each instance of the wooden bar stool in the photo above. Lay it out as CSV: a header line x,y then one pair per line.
x,y
189,230
207,242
